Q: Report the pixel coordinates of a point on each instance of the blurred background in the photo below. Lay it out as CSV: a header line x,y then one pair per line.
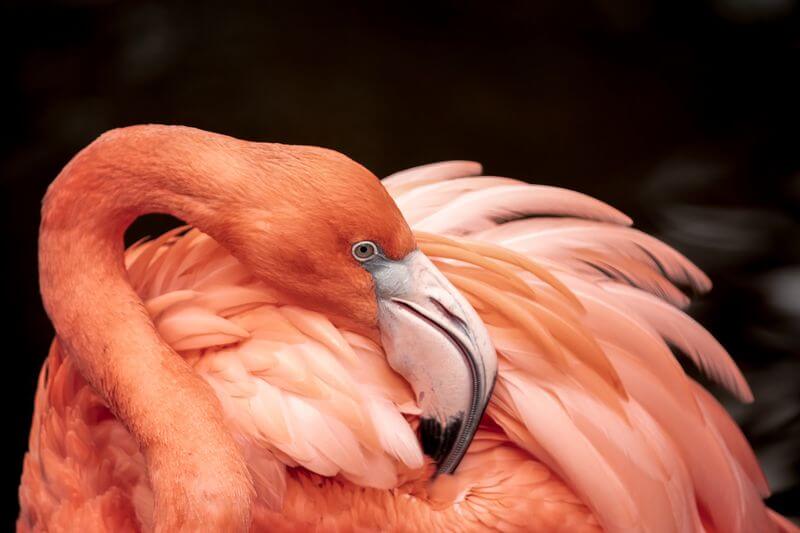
x,y
684,114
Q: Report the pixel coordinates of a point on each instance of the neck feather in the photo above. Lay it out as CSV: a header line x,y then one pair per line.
x,y
99,319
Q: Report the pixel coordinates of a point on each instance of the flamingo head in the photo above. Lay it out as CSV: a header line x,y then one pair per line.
x,y
333,240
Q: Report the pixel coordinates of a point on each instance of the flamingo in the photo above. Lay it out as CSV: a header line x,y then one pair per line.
x,y
320,350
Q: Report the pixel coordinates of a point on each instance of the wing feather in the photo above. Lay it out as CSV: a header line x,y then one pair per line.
x,y
559,239
414,177
679,329
483,209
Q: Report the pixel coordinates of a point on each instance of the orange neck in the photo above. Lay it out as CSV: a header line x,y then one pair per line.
x,y
101,322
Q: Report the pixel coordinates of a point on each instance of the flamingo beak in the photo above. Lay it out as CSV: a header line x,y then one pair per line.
x,y
434,339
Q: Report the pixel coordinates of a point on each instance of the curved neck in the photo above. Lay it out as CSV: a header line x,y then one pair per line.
x,y
99,319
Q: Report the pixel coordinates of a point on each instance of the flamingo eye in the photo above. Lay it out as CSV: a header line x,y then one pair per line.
x,y
364,250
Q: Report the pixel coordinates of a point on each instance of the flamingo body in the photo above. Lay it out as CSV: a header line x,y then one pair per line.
x,y
592,425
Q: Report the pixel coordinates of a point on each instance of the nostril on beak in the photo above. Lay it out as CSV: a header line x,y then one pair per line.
x,y
457,320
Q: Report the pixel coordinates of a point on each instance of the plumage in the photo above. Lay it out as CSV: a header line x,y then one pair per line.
x,y
482,209
560,239
678,329
592,425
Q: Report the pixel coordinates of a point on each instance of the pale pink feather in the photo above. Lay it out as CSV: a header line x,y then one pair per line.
x,y
680,330
422,201
431,173
485,208
560,238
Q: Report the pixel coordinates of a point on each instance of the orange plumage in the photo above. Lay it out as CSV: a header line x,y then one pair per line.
x,y
251,358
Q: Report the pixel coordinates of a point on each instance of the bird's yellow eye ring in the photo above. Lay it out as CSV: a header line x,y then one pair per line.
x,y
364,250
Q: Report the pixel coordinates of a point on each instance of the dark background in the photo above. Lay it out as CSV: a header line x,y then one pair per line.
x,y
681,113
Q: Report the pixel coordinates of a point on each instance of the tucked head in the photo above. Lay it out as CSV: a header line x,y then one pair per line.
x,y
325,231
322,230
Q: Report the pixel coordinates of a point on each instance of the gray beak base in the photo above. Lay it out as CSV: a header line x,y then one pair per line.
x,y
437,342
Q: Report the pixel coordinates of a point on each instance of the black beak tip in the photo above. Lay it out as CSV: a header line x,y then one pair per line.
x,y
438,441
